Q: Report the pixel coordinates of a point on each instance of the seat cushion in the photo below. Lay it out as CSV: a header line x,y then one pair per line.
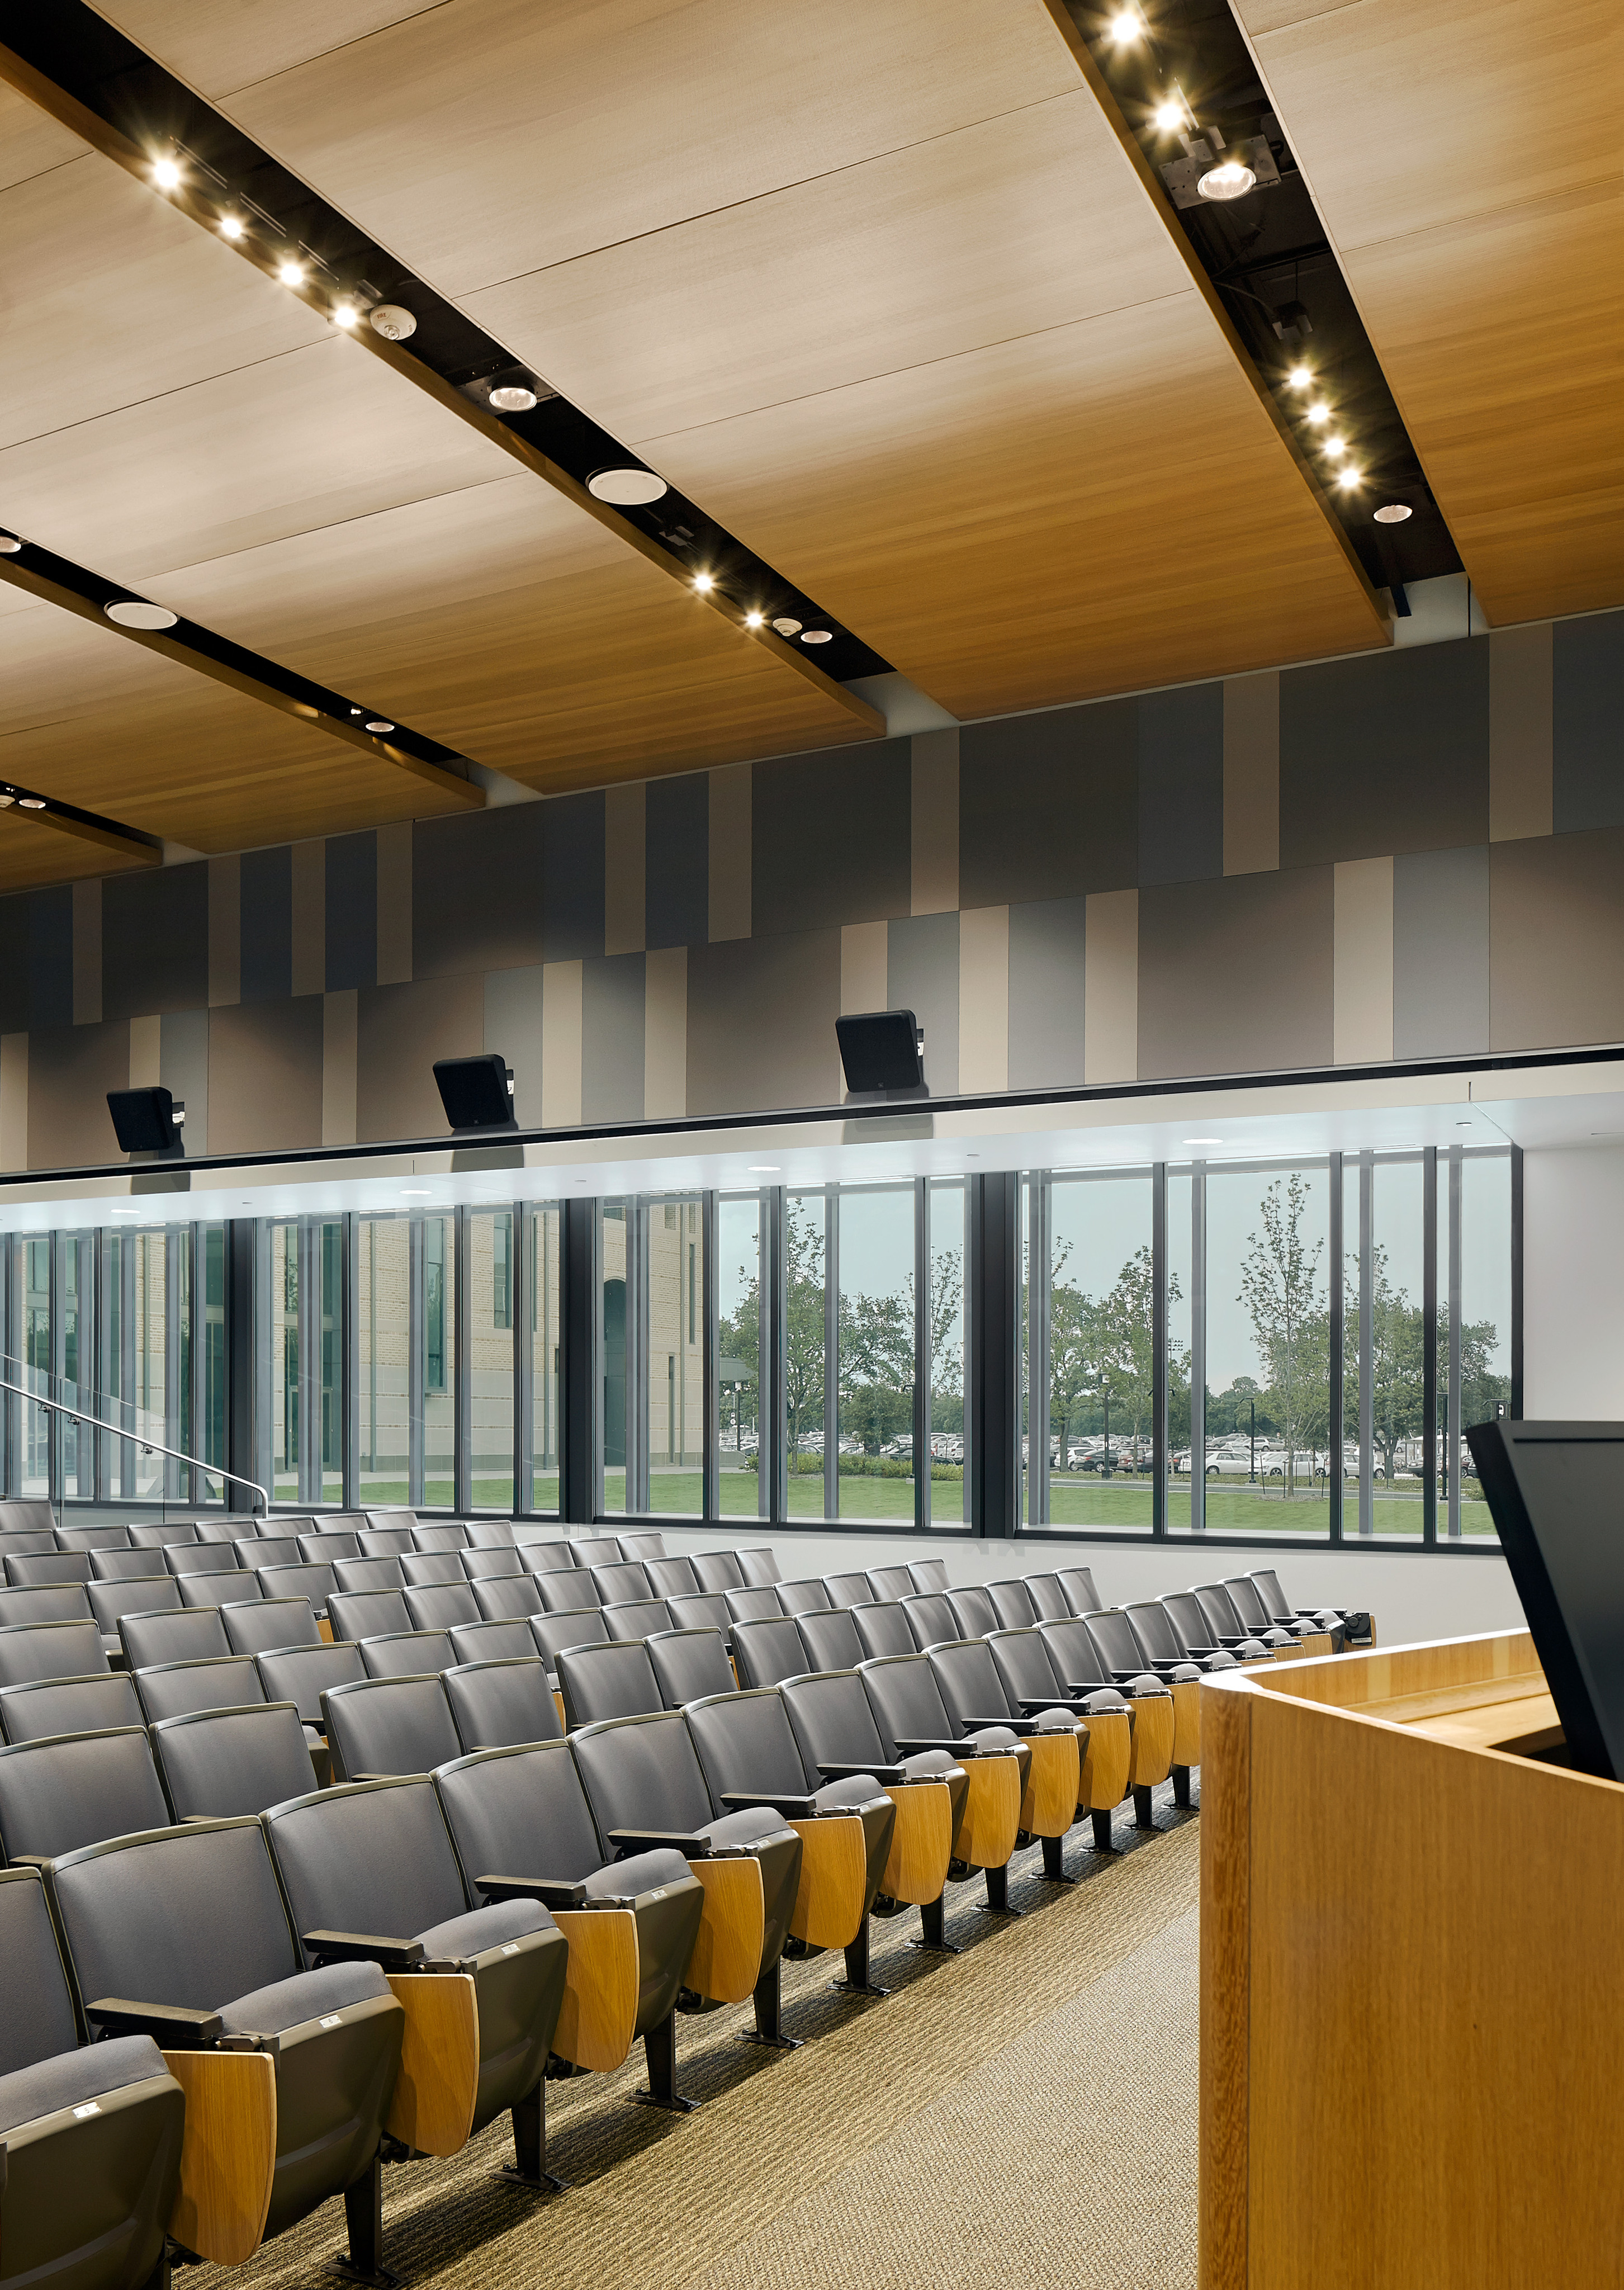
x,y
1054,1721
856,1788
993,1737
305,1996
929,1761
478,1929
747,1827
1104,1697
1145,1684
72,2077
640,1874
1219,1661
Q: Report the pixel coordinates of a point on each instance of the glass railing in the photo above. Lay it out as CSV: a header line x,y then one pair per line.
x,y
70,1440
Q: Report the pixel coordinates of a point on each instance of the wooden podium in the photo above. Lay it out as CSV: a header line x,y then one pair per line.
x,y
1412,1980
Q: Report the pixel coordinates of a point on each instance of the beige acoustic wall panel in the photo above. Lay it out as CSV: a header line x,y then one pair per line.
x,y
1465,155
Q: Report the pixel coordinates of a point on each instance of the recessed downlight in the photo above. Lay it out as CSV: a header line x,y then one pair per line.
x,y
1228,180
513,397
133,612
230,226
1169,117
1319,414
786,627
291,273
31,803
627,488
378,723
817,636
1126,26
345,314
756,620
703,582
1300,377
6,800
166,174
1393,512
1348,478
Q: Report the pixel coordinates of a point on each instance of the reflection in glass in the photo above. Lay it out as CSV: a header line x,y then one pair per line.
x,y
1268,1404
945,1382
1102,1351
440,1304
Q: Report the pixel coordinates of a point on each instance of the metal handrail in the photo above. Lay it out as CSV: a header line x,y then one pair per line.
x,y
147,1446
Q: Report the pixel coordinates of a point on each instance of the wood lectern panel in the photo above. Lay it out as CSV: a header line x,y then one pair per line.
x,y
1413,2014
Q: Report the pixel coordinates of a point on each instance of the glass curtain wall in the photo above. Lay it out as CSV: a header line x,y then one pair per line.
x,y
493,1280
653,1327
383,1311
741,1357
546,1356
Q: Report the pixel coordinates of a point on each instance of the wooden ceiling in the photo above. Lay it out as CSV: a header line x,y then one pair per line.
x,y
1464,155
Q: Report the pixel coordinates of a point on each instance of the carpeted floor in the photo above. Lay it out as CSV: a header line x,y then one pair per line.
x,y
1024,2113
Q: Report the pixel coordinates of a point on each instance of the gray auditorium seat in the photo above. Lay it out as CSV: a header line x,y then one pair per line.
x,y
217,1763
301,1674
765,1651
508,1597
27,1569
671,1578
325,1548
915,1730
42,1650
717,1570
480,1561
699,1610
50,1602
258,1624
502,1704
643,1543
551,1633
200,1558
1012,1604
1077,1588
220,1590
179,1689
100,1703
30,1514
508,1641
254,1554
688,1664
490,1534
808,1595
973,1697
974,1611
452,1537
853,1589
93,1538
407,1653
387,1726
367,1575
598,1682
69,1789
195,1634
121,1565
384,1541
622,1583
367,1614
420,1568
883,1628
931,1618
638,1619
441,1606
590,1550
756,1603
887,1583
758,1567
567,1591
1248,1605
929,1575
547,1556
391,1522
830,1640
159,1537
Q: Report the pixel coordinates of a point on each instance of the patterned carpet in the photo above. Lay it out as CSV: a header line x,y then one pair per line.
x,y
1024,2113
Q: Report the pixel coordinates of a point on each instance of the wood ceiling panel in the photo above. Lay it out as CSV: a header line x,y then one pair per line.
x,y
219,47
33,853
486,137
115,728
31,143
1464,155
504,623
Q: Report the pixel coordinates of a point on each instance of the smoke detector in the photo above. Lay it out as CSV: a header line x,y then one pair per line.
x,y
393,321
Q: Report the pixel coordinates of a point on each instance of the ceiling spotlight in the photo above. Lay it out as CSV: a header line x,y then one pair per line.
x,y
10,546
1336,447
166,174
756,620
1300,377
1126,26
231,227
1393,513
703,582
786,627
817,636
513,397
1348,478
291,273
345,315
1169,117
31,803
376,724
393,321
133,613
355,711
627,488
1228,180
1319,414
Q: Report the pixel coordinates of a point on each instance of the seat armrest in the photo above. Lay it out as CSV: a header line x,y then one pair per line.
x,y
40,1861
174,2025
1053,1701
550,1892
791,1806
890,1776
1011,1725
963,1751
390,1955
629,1841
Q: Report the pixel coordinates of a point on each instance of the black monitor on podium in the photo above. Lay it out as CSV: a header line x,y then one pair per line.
x,y
1556,1493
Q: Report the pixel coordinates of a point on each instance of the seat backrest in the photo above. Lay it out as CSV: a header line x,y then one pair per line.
x,y
452,1537
1244,1597
592,1550
830,1640
702,1610
1048,1598
220,1762
550,1558
440,1606
520,1812
745,1743
928,1575
419,1568
642,1772
832,1723
905,1700
616,1680
931,1619
1113,1633
754,1604
92,1538
1025,1666
407,1653
50,1602
220,1590
758,1566
506,1598
159,1537
671,1578
495,1705
851,1590
645,1543
808,1595
44,1650
112,1602
200,1558
553,1632
1153,1631
1011,1602
70,1789
322,1550
384,1541
620,1584
767,1650
98,1704
23,1539
367,1614
717,1570
367,1575
224,1529
967,1679
888,1583
974,1611
24,1568
1185,1612
177,1689
121,1565
257,1625
312,1583
1072,1650
268,1551
689,1663
883,1628
128,1912
638,1620
375,1859
490,1534
301,1674
189,1634
32,1513
1219,1607
492,1642
480,1565
1077,1586
1276,1606
37,2022
569,1592
392,1522
388,1725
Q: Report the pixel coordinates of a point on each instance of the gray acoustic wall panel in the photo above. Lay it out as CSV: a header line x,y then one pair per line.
x,y
1440,952
1181,784
1049,804
266,906
1386,753
922,975
351,905
831,838
154,941
400,1032
676,898
1048,940
1557,940
265,1076
761,1022
572,875
70,1070
1236,975
611,1007
477,891
1587,722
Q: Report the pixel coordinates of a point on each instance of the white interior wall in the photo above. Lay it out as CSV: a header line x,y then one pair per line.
x,y
1574,1282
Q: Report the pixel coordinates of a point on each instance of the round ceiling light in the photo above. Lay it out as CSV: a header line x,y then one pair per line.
x,y
627,488
393,321
31,803
1228,180
7,800
132,614
756,620
9,544
378,724
1393,513
513,397
345,314
786,626
817,636
1169,117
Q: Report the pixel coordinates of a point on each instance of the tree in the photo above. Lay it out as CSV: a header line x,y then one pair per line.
x,y
741,1336
1281,1291
1101,1348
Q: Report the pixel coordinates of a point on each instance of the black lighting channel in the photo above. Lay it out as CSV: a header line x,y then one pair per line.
x,y
1266,251
88,58
50,810
251,666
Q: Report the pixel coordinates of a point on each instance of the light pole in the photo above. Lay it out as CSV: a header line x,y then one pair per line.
x,y
1252,1472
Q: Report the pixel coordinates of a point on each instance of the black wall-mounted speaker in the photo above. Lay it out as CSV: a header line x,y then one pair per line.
x,y
881,1049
